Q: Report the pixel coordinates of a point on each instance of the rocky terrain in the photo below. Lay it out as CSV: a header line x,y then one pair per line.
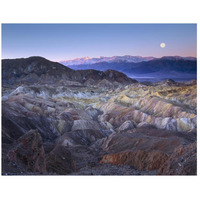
x,y
58,121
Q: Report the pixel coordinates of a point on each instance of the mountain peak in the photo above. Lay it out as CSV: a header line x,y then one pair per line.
x,y
88,60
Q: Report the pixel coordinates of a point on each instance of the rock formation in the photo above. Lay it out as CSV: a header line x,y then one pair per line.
x,y
60,121
27,154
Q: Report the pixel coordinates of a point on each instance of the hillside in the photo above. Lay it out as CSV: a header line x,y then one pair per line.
x,y
42,71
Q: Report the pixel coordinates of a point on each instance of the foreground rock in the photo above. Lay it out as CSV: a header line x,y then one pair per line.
x,y
152,149
183,161
27,154
109,169
140,160
59,161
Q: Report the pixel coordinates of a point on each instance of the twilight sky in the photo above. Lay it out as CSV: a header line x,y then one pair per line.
x,y
68,41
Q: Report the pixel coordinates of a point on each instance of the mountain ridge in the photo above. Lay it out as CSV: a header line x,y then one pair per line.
x,y
88,60
127,58
164,67
40,70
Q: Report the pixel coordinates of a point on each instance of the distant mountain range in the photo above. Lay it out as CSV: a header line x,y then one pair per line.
x,y
87,60
39,70
126,58
175,67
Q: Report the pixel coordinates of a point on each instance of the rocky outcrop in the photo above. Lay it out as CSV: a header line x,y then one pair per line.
x,y
84,124
146,139
152,109
27,154
80,137
144,125
59,161
127,125
151,149
183,161
140,160
18,119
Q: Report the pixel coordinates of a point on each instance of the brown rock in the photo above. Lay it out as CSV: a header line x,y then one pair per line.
x,y
28,153
146,139
80,137
59,161
141,160
149,149
182,162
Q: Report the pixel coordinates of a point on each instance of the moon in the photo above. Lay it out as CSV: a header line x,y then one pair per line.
x,y
162,45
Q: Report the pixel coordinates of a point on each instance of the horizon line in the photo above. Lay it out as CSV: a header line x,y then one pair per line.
x,y
98,57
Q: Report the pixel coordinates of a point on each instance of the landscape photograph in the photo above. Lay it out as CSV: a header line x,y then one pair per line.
x,y
86,99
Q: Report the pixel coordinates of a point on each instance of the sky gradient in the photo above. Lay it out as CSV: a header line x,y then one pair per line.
x,y
58,42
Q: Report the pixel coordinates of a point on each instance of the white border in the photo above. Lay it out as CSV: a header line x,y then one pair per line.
x,y
104,11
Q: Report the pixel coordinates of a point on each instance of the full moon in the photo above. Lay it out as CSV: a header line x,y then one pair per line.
x,y
162,45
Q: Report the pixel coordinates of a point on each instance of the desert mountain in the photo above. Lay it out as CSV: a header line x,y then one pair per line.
x,y
40,70
166,67
87,60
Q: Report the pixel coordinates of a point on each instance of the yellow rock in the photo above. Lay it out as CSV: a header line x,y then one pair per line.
x,y
61,125
29,106
50,109
184,124
37,109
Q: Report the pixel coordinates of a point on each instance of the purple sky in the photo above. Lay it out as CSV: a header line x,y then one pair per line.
x,y
68,41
